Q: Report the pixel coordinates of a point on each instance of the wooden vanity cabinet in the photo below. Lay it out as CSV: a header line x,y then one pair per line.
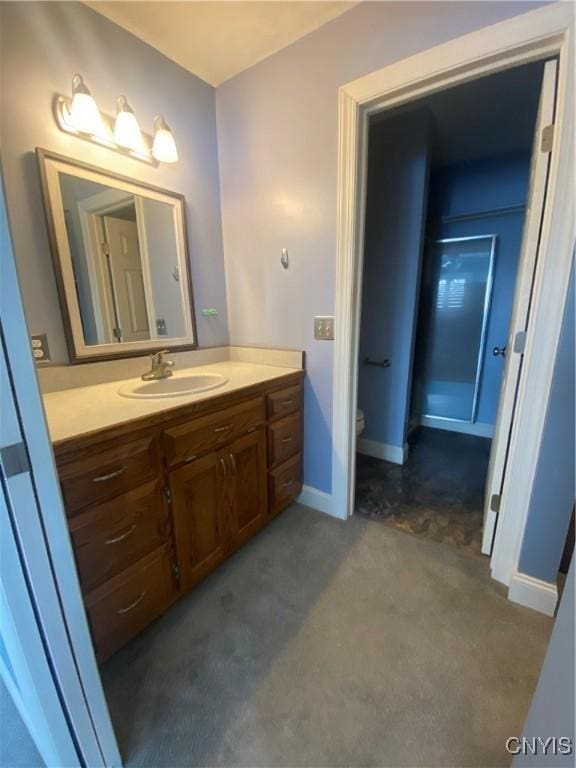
x,y
219,501
153,509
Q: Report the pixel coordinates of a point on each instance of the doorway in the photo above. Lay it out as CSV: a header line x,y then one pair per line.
x,y
544,34
443,237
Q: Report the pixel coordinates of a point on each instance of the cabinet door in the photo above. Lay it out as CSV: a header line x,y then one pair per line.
x,y
248,501
199,524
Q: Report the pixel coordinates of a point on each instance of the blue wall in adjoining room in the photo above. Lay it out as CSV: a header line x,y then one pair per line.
x,y
472,188
395,216
552,498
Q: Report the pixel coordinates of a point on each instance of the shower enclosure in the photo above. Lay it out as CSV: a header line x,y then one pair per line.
x,y
456,292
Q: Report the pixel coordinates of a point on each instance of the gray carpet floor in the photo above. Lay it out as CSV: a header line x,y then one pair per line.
x,y
17,750
324,643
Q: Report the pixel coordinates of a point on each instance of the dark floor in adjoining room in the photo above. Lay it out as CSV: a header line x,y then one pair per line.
x,y
328,643
438,493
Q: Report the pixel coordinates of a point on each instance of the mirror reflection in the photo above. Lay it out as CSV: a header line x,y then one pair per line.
x,y
125,262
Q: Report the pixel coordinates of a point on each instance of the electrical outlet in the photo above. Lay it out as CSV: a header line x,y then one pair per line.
x,y
40,348
324,328
161,326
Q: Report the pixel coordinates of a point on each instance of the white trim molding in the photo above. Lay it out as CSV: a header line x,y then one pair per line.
x,y
536,35
315,499
397,454
478,428
533,593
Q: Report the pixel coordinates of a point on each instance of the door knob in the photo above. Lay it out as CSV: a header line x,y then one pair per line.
x,y
499,351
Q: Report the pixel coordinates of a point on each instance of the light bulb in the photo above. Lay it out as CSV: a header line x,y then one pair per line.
x,y
84,113
164,147
127,132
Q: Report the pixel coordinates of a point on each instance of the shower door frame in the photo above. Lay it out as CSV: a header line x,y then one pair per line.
x,y
537,35
484,328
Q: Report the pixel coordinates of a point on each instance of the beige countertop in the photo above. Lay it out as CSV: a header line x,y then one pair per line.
x,y
75,412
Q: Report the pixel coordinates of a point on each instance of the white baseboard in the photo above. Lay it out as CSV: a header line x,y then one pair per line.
x,y
320,500
394,453
534,593
479,429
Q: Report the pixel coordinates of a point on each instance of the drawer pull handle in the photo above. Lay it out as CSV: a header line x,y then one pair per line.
x,y
122,536
223,429
287,484
189,458
233,463
223,465
287,439
109,476
287,402
133,605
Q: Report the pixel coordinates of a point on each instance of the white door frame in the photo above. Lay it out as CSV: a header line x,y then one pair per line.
x,y
541,33
44,538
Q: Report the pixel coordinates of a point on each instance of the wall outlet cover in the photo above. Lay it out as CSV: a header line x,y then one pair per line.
x,y
40,348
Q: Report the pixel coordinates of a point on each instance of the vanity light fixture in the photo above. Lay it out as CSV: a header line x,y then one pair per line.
x,y
80,117
84,114
164,147
127,133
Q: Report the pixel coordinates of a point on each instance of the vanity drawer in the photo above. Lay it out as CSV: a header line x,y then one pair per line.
x,y
110,537
123,606
101,474
206,433
284,439
284,401
285,483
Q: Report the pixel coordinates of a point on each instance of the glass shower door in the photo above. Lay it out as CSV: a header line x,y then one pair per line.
x,y
457,288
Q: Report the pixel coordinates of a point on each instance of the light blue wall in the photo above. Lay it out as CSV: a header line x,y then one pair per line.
x,y
398,163
552,712
42,46
552,498
480,186
277,141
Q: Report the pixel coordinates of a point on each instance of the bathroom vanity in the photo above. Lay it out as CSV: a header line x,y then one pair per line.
x,y
165,475
160,496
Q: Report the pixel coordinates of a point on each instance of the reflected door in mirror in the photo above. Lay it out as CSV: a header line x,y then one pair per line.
x,y
120,250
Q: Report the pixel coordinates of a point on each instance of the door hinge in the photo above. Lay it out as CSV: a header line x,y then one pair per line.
x,y
520,342
14,460
176,570
167,494
105,249
547,140
495,502
117,333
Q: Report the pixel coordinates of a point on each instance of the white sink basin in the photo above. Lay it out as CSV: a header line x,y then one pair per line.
x,y
174,386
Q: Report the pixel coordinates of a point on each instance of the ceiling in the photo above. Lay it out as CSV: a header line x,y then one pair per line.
x,y
484,118
216,40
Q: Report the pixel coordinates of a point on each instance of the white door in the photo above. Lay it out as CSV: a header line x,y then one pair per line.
x,y
24,663
541,154
46,657
127,278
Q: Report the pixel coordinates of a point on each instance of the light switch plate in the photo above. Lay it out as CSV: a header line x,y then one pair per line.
x,y
40,348
324,328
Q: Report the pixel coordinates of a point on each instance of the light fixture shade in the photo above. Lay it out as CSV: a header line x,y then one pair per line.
x,y
127,132
84,113
164,147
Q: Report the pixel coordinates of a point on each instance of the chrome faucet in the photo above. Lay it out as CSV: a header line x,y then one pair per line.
x,y
160,368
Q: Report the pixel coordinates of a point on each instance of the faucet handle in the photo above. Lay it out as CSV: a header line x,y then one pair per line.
x,y
157,357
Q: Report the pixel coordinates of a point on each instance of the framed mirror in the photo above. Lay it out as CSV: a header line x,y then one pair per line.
x,y
120,253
